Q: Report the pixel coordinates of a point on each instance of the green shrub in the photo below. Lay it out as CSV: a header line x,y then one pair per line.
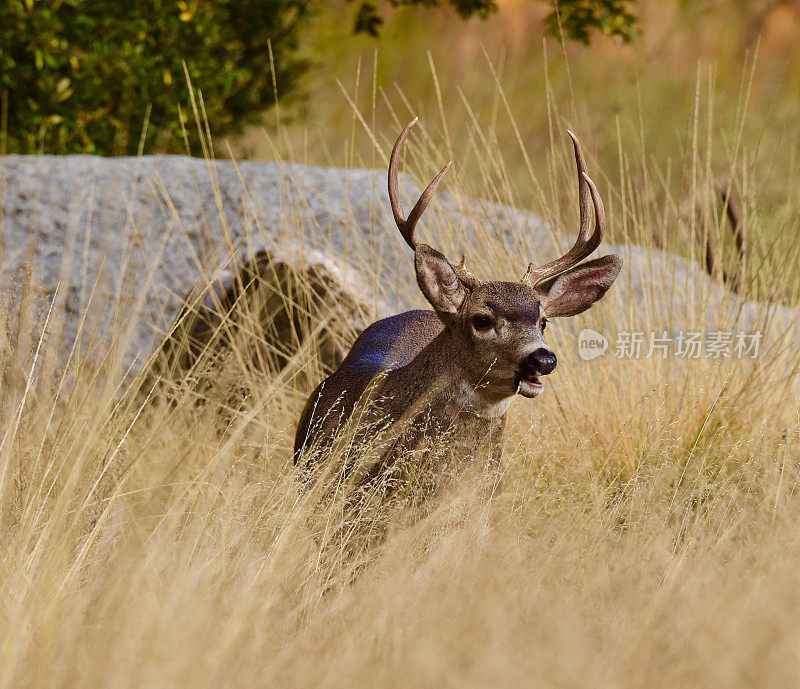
x,y
576,19
81,76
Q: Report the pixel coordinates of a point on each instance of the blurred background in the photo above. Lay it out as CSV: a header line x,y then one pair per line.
x,y
671,98
80,76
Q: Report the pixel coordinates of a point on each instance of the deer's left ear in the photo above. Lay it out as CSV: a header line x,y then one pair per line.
x,y
576,290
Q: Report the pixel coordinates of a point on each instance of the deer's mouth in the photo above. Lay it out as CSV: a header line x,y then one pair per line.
x,y
529,385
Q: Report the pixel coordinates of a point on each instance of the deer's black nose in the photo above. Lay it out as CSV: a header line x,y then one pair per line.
x,y
542,361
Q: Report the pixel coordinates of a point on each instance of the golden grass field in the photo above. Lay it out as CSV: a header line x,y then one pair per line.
x,y
646,532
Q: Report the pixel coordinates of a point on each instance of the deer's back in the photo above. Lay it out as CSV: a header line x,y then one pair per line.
x,y
385,345
392,342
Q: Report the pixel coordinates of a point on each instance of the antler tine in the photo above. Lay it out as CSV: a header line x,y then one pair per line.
x,y
600,218
587,242
425,199
407,226
584,198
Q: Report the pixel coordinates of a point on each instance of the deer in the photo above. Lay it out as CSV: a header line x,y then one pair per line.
x,y
443,379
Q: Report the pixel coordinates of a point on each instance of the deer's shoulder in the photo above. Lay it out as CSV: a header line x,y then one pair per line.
x,y
387,344
392,342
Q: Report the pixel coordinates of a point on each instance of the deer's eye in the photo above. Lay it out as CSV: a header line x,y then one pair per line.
x,y
543,324
482,323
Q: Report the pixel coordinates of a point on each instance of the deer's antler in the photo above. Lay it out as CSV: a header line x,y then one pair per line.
x,y
587,240
407,226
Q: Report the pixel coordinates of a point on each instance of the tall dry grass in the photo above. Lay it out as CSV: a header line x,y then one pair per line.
x,y
704,94
646,532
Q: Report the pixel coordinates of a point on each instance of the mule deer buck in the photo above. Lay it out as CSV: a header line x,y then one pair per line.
x,y
442,380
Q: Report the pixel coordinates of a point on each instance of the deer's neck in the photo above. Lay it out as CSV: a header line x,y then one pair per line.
x,y
472,400
437,372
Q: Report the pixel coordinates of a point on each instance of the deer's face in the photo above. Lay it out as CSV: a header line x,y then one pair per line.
x,y
500,332
499,326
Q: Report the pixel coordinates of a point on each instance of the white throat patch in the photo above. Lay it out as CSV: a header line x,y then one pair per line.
x,y
471,400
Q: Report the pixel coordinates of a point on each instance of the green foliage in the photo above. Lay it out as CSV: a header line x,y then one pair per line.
x,y
578,19
369,21
81,76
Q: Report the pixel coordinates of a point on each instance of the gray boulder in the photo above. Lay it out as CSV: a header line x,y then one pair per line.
x,y
127,239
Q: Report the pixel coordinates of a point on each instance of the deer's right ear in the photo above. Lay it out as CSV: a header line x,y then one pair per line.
x,y
577,289
438,281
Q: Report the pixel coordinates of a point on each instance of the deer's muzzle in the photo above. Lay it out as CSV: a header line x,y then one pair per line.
x,y
541,362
